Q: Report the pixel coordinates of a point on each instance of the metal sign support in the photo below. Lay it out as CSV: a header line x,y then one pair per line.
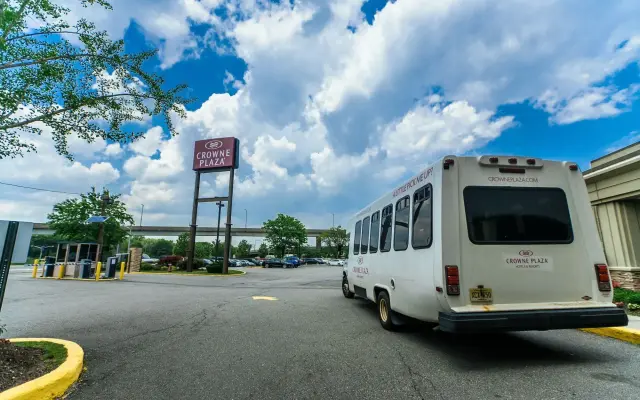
x,y
7,255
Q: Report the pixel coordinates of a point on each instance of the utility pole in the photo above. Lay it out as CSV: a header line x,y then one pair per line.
x,y
141,214
333,220
105,200
220,205
245,218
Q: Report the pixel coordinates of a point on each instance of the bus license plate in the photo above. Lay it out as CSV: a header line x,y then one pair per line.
x,y
483,295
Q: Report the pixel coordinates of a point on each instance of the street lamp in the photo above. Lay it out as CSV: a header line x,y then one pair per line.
x,y
220,205
333,220
245,218
141,214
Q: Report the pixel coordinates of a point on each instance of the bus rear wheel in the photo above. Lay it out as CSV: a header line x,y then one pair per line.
x,y
385,314
345,288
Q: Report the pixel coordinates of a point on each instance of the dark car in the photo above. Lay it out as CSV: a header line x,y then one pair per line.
x,y
293,260
310,261
277,263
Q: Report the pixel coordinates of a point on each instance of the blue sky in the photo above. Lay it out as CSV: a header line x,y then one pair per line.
x,y
336,102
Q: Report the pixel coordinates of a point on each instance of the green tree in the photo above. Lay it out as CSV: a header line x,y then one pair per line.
x,y
158,247
68,219
203,249
182,245
336,239
47,243
71,78
243,249
285,233
263,250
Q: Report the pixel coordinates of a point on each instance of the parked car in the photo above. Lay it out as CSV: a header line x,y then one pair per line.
x,y
336,262
277,262
147,259
293,260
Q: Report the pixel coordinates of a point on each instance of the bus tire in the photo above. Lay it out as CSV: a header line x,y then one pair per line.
x,y
345,288
384,311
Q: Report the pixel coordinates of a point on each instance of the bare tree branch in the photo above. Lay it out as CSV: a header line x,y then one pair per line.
x,y
71,108
47,59
41,33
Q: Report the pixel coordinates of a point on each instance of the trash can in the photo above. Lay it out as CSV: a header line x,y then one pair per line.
x,y
84,269
49,266
110,270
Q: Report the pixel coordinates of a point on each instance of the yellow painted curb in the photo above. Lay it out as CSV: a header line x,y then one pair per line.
x,y
174,274
54,384
79,279
626,334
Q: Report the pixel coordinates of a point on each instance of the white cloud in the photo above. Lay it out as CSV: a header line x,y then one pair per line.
x,y
627,140
113,150
322,109
593,103
150,143
436,128
48,170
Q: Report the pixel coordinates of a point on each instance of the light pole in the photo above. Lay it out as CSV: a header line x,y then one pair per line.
x,y
245,218
141,214
333,220
105,200
220,205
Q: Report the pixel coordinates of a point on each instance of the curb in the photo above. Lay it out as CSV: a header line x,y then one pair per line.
x,y
54,384
171,273
78,279
625,334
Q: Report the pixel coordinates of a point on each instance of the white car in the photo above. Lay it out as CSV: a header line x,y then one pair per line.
x,y
147,259
336,262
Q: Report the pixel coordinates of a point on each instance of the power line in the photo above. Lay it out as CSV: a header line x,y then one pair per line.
x,y
42,190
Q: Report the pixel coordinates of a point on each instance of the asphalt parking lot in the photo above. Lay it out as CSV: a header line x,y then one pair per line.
x,y
176,337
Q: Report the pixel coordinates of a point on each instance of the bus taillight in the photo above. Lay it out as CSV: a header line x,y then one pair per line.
x,y
604,282
453,280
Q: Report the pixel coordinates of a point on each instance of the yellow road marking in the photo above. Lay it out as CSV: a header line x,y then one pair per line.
x,y
264,298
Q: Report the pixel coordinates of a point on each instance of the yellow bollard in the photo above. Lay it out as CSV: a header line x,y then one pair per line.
x,y
122,270
61,271
35,268
98,268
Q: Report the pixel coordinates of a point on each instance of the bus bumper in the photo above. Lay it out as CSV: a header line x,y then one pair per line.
x,y
532,320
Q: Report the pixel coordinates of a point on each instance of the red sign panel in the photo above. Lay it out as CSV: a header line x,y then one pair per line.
x,y
212,154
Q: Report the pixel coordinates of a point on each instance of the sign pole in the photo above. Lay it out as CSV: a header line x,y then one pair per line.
x,y
6,254
192,228
227,234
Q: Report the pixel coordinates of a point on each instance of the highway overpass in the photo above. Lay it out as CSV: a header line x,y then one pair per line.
x,y
43,229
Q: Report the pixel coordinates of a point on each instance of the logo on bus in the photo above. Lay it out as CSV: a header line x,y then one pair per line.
x,y
526,253
360,260
213,144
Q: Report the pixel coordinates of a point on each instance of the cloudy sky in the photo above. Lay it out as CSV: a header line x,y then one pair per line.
x,y
336,102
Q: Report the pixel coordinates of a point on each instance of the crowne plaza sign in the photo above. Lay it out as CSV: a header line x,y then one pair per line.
x,y
214,154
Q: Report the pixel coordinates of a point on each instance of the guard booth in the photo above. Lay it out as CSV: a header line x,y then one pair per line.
x,y
77,258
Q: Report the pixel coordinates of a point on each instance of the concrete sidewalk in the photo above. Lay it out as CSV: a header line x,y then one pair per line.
x,y
634,322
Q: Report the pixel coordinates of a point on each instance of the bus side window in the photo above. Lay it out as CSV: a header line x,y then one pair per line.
x,y
356,238
385,232
375,230
401,234
364,243
422,217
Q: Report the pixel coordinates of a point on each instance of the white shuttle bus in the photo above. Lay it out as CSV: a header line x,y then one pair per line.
x,y
481,244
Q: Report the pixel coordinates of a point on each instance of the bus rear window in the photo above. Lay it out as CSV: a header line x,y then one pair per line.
x,y
499,215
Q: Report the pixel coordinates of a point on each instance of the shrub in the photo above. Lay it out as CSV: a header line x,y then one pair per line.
x,y
197,263
634,307
626,296
146,267
166,260
214,268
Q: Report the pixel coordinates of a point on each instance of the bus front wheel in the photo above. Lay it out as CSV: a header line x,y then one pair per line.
x,y
345,288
